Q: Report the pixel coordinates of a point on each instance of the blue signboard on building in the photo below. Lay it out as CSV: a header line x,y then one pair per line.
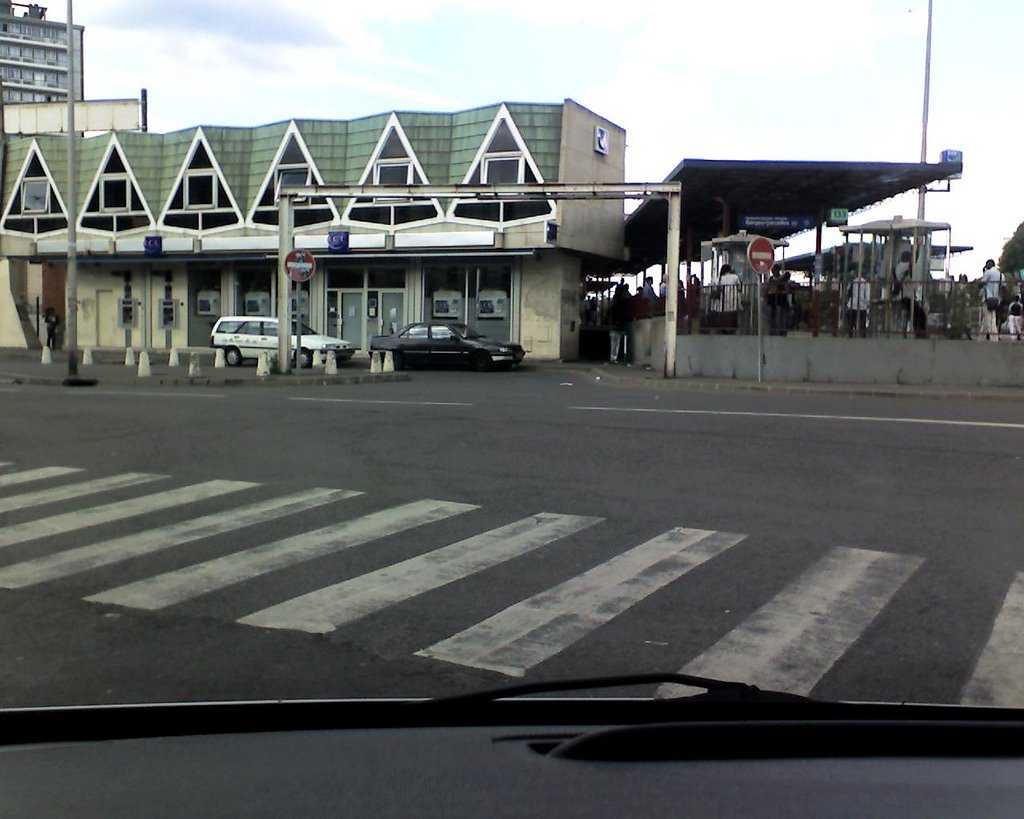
x,y
153,245
337,241
788,223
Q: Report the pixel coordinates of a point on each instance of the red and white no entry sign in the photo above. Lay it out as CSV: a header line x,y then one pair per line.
x,y
300,265
761,254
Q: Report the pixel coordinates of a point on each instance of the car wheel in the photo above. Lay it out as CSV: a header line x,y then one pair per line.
x,y
398,359
232,356
480,361
305,359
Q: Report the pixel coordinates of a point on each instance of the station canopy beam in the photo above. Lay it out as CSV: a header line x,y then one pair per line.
x,y
670,192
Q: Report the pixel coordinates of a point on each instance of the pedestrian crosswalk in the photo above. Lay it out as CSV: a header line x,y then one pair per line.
x,y
150,551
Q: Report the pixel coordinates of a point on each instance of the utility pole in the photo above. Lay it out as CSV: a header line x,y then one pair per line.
x,y
71,285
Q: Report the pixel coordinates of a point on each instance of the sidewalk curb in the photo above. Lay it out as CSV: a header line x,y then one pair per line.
x,y
699,385
210,381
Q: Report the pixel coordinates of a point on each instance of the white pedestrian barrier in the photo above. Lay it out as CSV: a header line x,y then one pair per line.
x,y
263,364
87,356
172,359
144,370
374,362
47,357
389,363
129,357
318,359
219,361
331,367
193,365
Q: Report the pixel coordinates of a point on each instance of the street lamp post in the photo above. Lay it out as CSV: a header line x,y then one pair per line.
x,y
71,286
924,112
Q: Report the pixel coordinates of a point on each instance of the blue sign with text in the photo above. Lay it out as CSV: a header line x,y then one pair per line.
x,y
793,223
337,241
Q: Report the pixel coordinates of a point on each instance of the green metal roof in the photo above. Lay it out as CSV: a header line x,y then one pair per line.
x,y
444,143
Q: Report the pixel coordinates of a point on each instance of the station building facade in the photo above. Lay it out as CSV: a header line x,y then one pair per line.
x,y
184,226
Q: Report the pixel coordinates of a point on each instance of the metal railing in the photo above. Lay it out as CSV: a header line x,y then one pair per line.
x,y
857,308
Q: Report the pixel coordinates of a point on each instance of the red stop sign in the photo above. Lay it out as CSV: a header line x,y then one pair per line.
x,y
761,254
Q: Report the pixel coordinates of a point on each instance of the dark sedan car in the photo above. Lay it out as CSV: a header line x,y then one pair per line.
x,y
437,343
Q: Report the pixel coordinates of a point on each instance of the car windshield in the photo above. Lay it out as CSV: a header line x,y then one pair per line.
x,y
749,405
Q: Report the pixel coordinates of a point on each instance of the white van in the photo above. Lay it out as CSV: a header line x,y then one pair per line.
x,y
245,337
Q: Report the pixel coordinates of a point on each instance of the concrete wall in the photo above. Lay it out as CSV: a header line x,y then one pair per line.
x,y
12,291
596,226
549,307
938,362
647,342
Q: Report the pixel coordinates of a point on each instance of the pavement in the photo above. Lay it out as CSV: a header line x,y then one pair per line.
x,y
19,366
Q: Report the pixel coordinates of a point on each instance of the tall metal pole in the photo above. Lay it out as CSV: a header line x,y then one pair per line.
x,y
71,284
285,218
675,217
924,111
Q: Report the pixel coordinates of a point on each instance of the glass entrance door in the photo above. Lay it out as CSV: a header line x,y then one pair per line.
x,y
345,316
385,313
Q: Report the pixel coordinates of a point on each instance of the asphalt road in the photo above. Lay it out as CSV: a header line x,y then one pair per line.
x,y
847,547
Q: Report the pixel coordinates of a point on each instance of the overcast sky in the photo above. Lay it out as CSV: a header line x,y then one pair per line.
x,y
726,79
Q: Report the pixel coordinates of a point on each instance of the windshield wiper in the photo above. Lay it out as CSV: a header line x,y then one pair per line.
x,y
715,690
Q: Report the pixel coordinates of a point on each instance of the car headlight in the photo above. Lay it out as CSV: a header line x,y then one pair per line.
x,y
504,350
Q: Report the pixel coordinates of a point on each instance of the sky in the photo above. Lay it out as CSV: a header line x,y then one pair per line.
x,y
729,79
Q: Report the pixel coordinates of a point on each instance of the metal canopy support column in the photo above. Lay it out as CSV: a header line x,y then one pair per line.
x,y
675,211
285,216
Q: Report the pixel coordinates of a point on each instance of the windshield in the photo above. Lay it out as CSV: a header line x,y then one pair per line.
x,y
751,410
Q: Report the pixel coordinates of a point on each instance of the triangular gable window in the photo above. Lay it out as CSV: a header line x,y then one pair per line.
x,y
35,206
114,203
293,166
503,160
201,199
393,162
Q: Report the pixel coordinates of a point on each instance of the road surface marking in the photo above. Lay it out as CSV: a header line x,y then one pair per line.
x,y
810,417
83,518
998,677
150,394
84,558
162,590
374,401
75,490
29,475
325,609
790,642
518,638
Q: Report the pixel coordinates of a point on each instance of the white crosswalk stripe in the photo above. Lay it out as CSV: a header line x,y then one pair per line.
x,y
75,490
998,676
523,635
794,639
94,555
29,475
192,581
121,510
326,609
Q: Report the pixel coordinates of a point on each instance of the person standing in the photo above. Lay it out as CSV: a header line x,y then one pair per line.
x,y
1015,323
992,283
51,320
619,316
730,286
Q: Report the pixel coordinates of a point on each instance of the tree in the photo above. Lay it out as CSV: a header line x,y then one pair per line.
x,y
1012,259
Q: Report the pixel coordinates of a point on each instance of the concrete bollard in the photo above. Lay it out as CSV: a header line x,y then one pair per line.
x,y
318,359
263,365
194,370
218,360
331,367
87,356
374,362
144,370
172,359
389,363
129,357
47,356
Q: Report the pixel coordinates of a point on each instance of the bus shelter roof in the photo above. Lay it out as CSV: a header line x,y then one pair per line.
x,y
718,193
